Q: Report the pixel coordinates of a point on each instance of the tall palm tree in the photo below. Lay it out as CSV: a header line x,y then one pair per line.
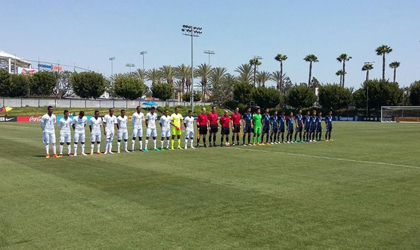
x,y
394,65
263,77
217,74
311,58
280,58
154,75
139,74
341,74
203,71
277,77
255,63
245,72
182,72
367,67
167,72
343,58
382,51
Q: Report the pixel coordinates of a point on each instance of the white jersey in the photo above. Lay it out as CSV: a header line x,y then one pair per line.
x,y
151,120
189,122
137,120
79,124
96,125
122,122
110,122
65,125
47,123
165,121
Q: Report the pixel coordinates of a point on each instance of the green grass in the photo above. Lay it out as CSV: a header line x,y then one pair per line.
x,y
361,191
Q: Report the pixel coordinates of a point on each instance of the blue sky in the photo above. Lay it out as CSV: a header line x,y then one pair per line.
x,y
87,33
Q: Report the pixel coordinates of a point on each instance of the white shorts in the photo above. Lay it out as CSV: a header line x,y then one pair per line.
x,y
189,134
110,134
151,132
137,132
95,137
48,137
123,134
79,137
166,133
65,138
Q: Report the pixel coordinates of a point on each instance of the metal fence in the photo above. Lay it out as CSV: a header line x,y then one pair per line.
x,y
80,103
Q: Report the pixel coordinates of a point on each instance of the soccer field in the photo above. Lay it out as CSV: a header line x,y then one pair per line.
x,y
361,191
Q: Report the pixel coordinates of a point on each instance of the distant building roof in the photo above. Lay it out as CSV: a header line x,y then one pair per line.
x,y
7,55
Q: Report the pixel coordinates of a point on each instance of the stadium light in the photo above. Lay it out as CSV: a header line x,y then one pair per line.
x,y
130,65
209,52
191,31
112,64
143,53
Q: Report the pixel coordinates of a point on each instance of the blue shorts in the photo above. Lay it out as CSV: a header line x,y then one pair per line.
x,y
248,128
266,129
282,129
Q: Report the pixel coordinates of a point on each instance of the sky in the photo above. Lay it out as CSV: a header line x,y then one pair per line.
x,y
87,33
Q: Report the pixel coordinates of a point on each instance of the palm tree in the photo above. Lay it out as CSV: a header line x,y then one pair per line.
x,y
203,71
394,65
167,72
154,75
367,67
217,74
341,74
245,72
280,58
382,51
139,74
182,72
255,62
263,77
311,58
343,58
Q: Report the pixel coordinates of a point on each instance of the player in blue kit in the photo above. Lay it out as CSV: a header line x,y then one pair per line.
x,y
246,124
265,126
318,126
312,127
328,122
307,126
290,124
282,125
299,126
274,128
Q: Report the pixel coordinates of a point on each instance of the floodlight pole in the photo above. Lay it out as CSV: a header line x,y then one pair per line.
x,y
112,64
209,52
143,53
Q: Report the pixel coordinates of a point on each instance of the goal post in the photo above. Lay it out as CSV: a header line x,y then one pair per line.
x,y
400,114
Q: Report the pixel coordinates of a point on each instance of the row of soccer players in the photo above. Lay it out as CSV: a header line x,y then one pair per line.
x,y
257,126
170,126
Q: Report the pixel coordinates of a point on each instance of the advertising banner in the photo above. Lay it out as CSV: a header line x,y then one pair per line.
x,y
33,118
8,118
45,66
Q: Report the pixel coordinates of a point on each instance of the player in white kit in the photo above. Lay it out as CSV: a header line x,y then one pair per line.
x,y
48,122
137,126
189,129
122,121
165,125
151,118
64,125
110,122
79,124
95,124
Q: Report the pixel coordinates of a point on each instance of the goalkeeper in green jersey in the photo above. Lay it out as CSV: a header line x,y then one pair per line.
x,y
256,123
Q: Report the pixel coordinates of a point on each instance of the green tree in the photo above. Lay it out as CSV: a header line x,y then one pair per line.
x,y
242,92
20,86
203,71
311,59
267,97
301,96
183,73
255,63
334,96
394,65
280,58
88,84
245,72
43,83
5,83
129,87
343,58
63,87
415,93
379,93
382,51
262,78
187,96
222,85
167,72
340,73
367,67
154,75
162,91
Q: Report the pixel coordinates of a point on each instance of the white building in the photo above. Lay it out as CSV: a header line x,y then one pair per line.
x,y
11,63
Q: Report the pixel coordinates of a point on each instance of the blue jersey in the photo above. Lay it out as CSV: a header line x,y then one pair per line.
x,y
266,120
328,121
274,121
313,122
299,120
282,120
307,121
290,122
247,118
319,122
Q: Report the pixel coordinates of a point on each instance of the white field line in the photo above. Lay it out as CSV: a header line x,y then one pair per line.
x,y
333,158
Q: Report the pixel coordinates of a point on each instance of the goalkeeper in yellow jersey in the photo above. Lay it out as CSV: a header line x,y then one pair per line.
x,y
177,126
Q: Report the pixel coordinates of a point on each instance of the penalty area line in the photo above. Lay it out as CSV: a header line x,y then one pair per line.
x,y
333,158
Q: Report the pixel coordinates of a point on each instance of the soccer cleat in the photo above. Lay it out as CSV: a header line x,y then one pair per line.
x,y
106,152
111,152
60,155
268,143
179,147
118,151
146,150
91,153
127,151
47,156
75,154
192,147
70,155
205,145
185,147
331,140
55,155
172,148
98,153
83,153
156,149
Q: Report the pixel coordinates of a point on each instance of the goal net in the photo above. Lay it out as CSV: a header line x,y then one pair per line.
x,y
400,114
